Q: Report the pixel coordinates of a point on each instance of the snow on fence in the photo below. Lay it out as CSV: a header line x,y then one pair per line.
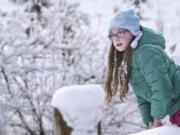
x,y
78,110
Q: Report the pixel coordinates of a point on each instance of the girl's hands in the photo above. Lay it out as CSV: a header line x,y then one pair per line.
x,y
155,124
150,125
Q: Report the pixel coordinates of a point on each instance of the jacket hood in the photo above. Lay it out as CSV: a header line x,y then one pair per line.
x,y
151,37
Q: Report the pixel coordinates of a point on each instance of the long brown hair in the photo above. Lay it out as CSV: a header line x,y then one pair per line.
x,y
118,72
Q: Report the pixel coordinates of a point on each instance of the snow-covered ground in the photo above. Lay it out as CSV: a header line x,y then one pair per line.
x,y
164,130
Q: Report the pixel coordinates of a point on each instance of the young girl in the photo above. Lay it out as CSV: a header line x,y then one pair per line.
x,y
137,57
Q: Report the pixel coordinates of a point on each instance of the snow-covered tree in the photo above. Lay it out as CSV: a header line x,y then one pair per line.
x,y
40,52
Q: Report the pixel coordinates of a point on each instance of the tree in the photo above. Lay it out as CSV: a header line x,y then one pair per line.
x,y
40,52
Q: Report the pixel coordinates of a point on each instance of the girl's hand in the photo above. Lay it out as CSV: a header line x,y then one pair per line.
x,y
150,125
157,123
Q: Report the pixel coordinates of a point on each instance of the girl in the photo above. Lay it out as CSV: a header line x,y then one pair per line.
x,y
137,57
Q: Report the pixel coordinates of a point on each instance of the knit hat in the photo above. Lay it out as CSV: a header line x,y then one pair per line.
x,y
127,19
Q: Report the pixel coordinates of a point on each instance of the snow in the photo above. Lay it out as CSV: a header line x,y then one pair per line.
x,y
164,130
39,61
99,17
7,6
81,106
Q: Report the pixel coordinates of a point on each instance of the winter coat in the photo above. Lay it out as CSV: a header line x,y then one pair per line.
x,y
155,78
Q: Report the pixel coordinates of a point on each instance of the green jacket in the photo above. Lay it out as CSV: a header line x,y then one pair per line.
x,y
155,78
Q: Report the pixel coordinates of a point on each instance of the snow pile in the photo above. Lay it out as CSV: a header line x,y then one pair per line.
x,y
164,130
80,106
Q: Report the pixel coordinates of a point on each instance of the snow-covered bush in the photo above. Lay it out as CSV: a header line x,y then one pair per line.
x,y
42,49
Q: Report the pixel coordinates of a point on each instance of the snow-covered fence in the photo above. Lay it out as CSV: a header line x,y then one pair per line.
x,y
78,110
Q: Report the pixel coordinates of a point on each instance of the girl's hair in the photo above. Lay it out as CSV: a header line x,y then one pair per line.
x,y
118,72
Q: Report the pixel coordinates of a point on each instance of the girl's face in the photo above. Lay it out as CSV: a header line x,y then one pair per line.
x,y
121,38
